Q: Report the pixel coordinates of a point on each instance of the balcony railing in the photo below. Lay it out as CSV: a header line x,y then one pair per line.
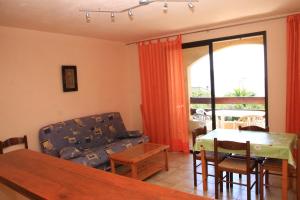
x,y
237,117
227,100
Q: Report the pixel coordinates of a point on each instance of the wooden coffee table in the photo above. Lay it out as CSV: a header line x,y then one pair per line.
x,y
143,159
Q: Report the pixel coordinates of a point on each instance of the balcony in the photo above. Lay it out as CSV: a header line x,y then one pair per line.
x,y
226,116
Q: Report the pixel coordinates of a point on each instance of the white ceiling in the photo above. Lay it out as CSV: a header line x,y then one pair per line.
x,y
63,16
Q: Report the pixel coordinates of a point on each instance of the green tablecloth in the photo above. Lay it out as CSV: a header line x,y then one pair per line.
x,y
262,144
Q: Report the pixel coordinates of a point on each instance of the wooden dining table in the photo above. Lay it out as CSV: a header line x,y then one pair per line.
x,y
262,144
40,176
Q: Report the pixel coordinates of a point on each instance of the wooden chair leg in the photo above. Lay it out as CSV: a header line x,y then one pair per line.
x,y
206,166
227,180
267,178
195,169
231,179
290,182
256,179
248,186
216,184
240,176
261,183
221,181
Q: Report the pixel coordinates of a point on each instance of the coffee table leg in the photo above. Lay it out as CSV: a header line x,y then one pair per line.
x,y
166,160
113,166
134,171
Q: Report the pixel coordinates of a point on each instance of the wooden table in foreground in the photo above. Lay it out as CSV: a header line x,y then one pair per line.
x,y
262,144
143,159
39,176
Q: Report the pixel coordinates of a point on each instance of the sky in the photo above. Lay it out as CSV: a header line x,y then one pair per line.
x,y
235,66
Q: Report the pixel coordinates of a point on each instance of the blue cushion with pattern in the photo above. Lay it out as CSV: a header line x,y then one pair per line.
x,y
69,153
93,136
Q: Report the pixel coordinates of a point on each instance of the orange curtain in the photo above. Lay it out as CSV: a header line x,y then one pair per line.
x,y
164,104
293,74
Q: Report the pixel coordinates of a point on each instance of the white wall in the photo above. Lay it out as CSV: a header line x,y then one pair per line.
x,y
31,93
31,85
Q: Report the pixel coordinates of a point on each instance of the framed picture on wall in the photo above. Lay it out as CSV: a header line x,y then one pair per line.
x,y
69,78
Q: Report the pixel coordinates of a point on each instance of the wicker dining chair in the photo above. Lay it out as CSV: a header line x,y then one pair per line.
x,y
208,154
13,141
234,165
253,128
275,166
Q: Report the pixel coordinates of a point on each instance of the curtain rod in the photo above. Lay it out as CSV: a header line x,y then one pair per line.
x,y
221,27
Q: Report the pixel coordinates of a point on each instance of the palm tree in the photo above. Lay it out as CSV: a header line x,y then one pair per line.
x,y
240,92
243,92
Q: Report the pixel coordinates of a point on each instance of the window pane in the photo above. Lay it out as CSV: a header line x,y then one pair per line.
x,y
196,61
239,74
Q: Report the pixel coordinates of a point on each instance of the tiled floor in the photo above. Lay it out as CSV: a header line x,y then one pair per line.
x,y
180,177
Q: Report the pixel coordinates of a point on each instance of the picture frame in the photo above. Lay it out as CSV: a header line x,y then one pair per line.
x,y
69,78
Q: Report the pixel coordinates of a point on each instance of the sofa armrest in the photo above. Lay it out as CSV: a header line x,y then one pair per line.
x,y
130,134
134,134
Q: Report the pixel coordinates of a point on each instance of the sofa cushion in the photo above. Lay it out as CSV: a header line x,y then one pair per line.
x,y
98,157
93,157
89,140
81,133
91,160
123,144
69,153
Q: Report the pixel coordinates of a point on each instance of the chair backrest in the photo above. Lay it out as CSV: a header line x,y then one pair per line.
x,y
198,131
13,141
254,128
236,146
251,119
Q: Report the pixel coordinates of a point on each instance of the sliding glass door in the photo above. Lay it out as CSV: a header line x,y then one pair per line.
x,y
227,82
199,85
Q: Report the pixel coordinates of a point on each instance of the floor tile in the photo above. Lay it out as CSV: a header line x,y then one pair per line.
x,y
180,177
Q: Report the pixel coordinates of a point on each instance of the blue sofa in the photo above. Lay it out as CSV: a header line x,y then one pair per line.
x,y
89,140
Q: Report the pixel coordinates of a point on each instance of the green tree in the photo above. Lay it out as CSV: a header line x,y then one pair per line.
x,y
240,92
243,92
200,92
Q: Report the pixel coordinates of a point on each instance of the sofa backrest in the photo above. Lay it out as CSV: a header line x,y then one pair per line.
x,y
84,132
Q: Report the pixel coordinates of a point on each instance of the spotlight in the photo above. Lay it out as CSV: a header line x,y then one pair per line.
x,y
165,8
87,17
130,10
130,13
191,6
112,16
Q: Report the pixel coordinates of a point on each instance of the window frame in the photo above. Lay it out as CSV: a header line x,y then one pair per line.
x,y
209,43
